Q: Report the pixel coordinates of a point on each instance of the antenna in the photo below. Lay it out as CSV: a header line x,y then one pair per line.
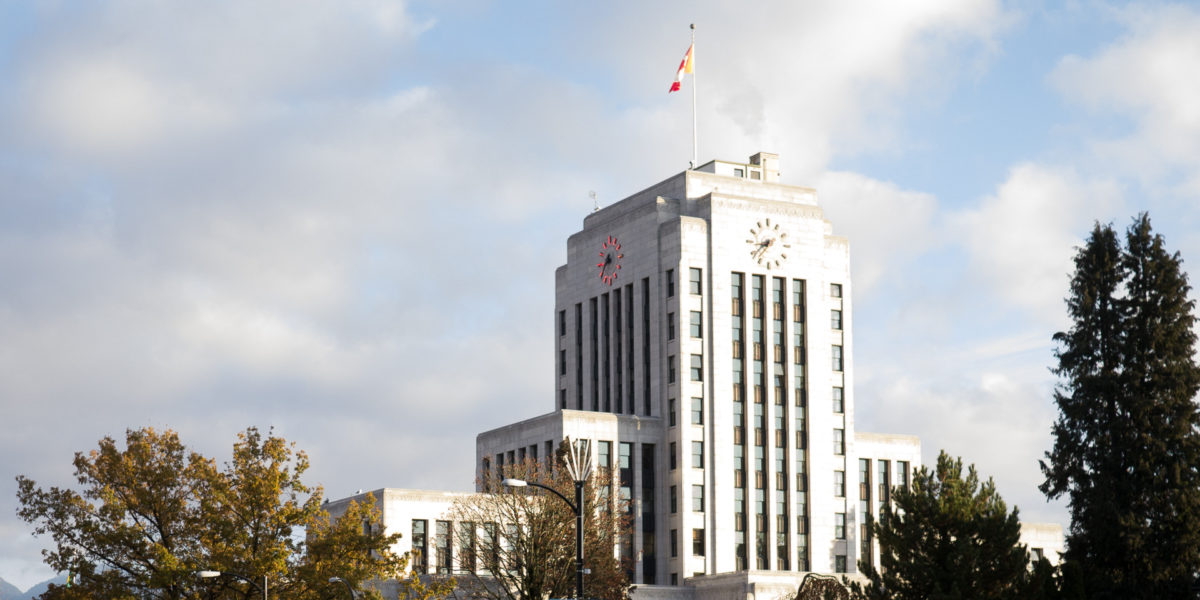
x,y
595,205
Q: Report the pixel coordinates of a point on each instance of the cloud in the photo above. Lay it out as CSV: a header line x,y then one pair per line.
x,y
1021,240
887,227
1147,76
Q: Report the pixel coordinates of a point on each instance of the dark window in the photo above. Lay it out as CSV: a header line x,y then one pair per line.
x,y
674,543
674,499
670,326
670,282
839,563
468,543
670,369
671,459
562,323
695,285
420,545
671,412
562,362
698,542
445,548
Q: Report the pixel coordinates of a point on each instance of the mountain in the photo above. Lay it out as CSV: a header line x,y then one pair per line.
x,y
9,591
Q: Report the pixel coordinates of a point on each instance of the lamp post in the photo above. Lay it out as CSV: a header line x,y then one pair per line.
x,y
579,467
211,574
348,587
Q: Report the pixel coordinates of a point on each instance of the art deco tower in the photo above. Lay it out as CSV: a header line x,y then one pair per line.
x,y
703,345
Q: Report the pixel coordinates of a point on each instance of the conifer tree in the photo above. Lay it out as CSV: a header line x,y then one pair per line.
x,y
1127,444
947,537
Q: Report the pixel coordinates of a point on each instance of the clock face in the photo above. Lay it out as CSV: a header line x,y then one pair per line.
x,y
768,245
610,260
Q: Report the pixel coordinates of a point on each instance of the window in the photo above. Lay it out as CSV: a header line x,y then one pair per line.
x,y
671,412
902,471
697,411
839,525
674,578
670,283
670,326
697,455
835,290
671,369
697,329
697,367
739,172
562,323
835,319
698,542
697,498
420,545
839,563
837,358
468,540
839,441
562,362
839,484
672,457
674,543
674,499
694,281
839,400
884,481
445,548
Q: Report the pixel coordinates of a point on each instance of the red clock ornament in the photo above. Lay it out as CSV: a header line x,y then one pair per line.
x,y
610,260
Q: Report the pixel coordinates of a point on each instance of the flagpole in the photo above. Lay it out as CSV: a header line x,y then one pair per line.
x,y
695,151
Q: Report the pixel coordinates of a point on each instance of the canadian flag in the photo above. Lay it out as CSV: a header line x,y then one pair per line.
x,y
684,67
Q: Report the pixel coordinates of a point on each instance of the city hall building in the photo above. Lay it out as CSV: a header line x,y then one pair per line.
x,y
703,346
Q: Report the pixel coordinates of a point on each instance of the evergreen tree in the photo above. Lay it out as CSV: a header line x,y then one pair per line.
x,y
947,537
1127,444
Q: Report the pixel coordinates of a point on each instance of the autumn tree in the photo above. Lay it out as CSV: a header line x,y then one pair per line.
x,y
516,544
1127,441
149,517
946,537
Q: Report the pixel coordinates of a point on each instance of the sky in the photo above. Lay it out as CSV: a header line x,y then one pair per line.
x,y
341,219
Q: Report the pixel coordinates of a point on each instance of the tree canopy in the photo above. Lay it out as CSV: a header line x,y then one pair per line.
x,y
1127,441
147,518
946,537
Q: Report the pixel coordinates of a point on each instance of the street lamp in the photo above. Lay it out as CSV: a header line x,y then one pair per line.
x,y
579,467
348,587
211,574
